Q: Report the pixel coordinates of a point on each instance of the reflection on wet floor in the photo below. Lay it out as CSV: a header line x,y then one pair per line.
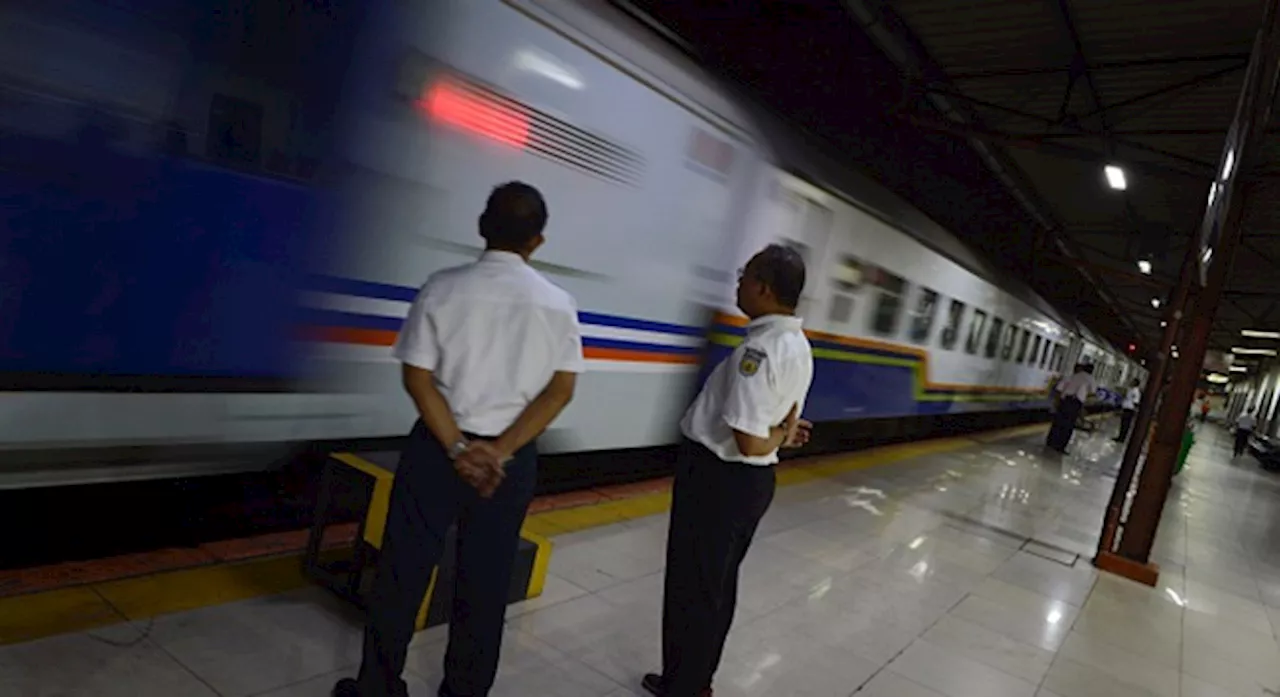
x,y
960,574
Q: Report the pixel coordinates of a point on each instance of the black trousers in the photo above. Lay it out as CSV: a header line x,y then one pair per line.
x,y
1242,440
1064,424
427,497
1126,421
716,507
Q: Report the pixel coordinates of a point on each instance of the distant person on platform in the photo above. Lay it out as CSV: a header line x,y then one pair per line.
x,y
1128,408
491,353
749,407
1244,429
1205,407
1072,395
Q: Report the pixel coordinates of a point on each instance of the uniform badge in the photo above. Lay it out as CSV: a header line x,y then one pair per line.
x,y
751,362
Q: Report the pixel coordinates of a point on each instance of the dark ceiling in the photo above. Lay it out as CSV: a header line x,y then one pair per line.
x,y
912,92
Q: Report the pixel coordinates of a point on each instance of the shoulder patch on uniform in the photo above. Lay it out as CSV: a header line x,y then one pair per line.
x,y
751,361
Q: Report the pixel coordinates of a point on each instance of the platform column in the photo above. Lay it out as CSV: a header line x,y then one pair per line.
x,y
1192,318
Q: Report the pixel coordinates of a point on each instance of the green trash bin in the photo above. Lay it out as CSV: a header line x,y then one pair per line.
x,y
1188,440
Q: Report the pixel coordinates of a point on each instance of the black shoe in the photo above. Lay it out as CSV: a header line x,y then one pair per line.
x,y
655,685
346,687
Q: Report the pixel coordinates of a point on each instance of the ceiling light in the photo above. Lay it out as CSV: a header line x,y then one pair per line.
x,y
1252,352
1144,265
1228,165
1218,379
1115,177
1257,334
1163,324
1238,369
1155,302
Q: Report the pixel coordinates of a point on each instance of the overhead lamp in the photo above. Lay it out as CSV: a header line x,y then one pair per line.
x,y
1163,324
1115,177
1238,369
1144,265
1155,302
1252,351
1258,334
1218,379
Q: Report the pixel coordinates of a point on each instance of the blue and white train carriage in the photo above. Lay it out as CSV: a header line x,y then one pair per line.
x,y
660,183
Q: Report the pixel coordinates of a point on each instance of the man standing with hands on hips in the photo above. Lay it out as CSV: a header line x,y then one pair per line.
x,y
749,407
490,355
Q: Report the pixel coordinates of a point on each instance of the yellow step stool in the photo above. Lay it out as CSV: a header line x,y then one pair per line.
x,y
358,487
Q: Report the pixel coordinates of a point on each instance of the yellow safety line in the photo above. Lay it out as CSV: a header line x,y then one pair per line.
x,y
29,617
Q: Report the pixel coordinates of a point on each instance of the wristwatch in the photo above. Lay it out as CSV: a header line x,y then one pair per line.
x,y
458,448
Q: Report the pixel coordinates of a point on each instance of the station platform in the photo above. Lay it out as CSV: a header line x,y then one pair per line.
x,y
955,568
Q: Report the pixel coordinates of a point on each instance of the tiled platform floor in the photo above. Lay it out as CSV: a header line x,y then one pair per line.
x,y
952,574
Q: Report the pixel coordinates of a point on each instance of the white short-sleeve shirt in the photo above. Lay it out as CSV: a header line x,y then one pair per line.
x,y
1080,385
493,333
1131,399
753,389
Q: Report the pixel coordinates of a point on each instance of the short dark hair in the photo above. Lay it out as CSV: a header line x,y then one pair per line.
x,y
1088,368
513,216
782,270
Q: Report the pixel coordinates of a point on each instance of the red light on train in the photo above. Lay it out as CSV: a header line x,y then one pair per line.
x,y
473,113
1133,347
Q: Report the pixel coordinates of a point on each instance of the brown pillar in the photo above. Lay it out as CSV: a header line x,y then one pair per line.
x,y
1137,532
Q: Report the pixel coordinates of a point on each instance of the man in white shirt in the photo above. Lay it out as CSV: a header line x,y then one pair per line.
x,y
1244,428
1074,391
490,353
1127,409
749,407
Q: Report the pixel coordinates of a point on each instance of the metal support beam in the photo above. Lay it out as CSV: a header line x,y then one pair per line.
x,y
1202,169
1101,67
1167,89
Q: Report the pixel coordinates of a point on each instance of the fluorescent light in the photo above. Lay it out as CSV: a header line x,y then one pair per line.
x,y
1238,369
1218,379
1257,334
1163,324
1206,254
1115,177
1144,265
1155,302
1252,352
1228,165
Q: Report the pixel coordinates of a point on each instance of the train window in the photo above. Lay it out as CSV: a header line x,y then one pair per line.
x,y
849,274
951,332
976,326
1023,345
1035,352
841,308
1044,357
922,316
1056,363
993,339
892,288
1010,340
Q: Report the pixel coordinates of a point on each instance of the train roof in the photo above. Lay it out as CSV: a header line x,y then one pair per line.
x,y
631,34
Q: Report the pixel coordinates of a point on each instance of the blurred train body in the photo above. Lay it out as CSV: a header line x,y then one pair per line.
x,y
245,303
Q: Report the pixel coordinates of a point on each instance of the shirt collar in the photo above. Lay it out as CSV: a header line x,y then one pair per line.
x,y
786,322
495,256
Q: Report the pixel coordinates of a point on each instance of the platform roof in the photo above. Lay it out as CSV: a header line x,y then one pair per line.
x,y
996,117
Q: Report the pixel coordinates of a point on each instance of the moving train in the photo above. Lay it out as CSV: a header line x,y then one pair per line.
x,y
289,219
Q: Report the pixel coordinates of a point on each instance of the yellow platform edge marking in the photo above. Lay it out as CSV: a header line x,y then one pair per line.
x,y
68,610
